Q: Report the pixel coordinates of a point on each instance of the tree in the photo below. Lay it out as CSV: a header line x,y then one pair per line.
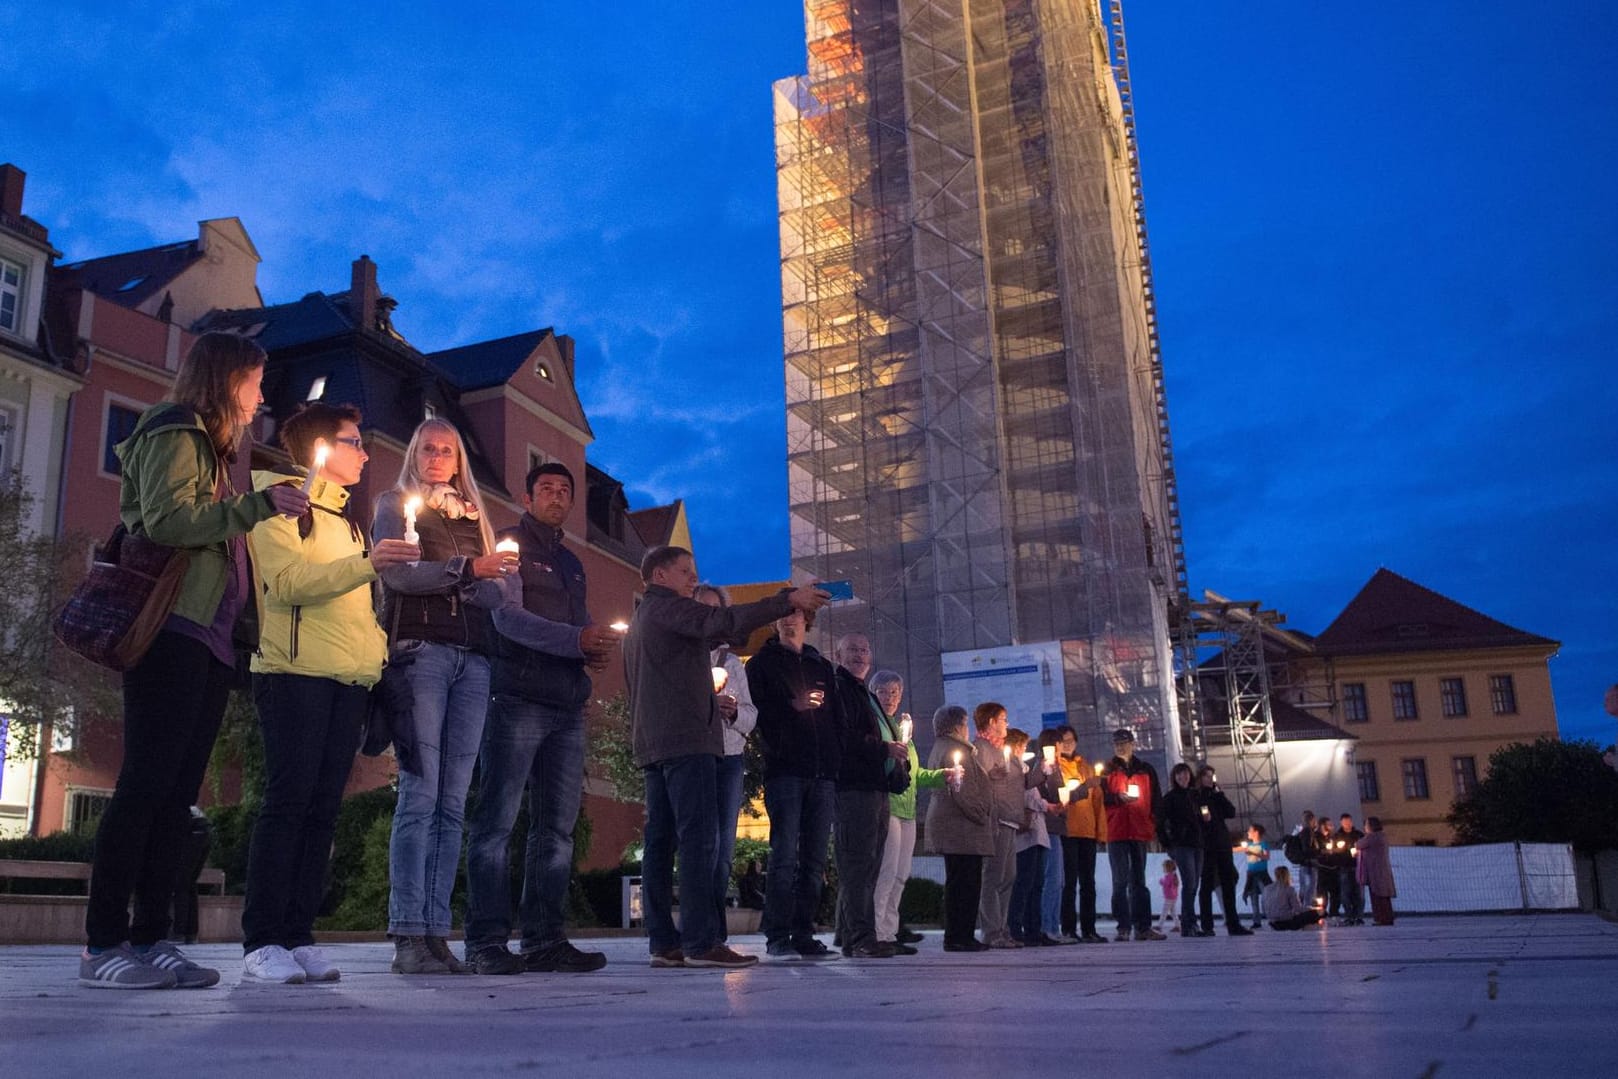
x,y
1547,792
45,687
612,751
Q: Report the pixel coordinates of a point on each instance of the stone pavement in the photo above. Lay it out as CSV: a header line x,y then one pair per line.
x,y
1475,996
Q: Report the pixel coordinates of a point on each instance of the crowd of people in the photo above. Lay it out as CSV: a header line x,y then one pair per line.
x,y
490,647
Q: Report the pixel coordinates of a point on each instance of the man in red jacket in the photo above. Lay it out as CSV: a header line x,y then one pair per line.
x,y
1131,797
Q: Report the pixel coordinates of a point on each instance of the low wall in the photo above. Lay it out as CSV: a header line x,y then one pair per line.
x,y
59,919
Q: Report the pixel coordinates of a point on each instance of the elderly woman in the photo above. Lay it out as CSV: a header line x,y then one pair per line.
x,y
444,642
889,688
959,823
1374,869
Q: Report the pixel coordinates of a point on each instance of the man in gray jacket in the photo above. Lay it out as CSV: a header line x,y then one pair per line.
x,y
678,738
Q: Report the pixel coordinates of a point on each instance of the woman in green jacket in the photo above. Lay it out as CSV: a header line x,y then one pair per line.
x,y
176,490
888,689
320,652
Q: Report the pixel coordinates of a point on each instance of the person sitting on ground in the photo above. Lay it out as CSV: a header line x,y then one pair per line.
x,y
1375,870
1282,905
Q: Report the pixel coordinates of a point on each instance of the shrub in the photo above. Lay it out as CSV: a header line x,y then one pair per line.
x,y
56,847
365,891
227,848
922,902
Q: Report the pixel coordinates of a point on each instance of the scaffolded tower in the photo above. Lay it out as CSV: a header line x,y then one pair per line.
x,y
977,435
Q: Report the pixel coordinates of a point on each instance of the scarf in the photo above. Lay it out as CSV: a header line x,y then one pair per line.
x,y
451,503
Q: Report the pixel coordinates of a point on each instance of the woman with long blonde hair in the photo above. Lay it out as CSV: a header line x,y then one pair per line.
x,y
176,490
444,641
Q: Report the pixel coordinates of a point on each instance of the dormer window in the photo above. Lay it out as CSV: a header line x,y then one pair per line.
x,y
428,412
132,284
542,369
317,388
11,275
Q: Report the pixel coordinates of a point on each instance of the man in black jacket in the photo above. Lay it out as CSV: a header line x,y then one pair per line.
x,y
1218,868
867,753
794,690
678,738
534,735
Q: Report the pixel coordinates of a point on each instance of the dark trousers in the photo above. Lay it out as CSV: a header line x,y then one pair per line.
x,y
174,700
311,728
963,886
1131,901
801,813
681,804
1078,874
1353,895
861,832
1308,917
1027,893
1382,909
1188,863
729,784
1327,881
1218,872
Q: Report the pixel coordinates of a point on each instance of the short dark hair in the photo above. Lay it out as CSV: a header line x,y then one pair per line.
x,y
549,468
1257,827
660,558
985,713
314,421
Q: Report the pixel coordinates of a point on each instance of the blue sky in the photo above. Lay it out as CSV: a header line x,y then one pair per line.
x,y
1383,237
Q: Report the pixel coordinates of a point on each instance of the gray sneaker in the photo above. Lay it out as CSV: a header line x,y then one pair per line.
x,y
411,956
121,968
187,975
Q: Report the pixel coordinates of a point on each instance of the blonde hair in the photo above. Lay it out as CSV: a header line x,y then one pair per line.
x,y
411,483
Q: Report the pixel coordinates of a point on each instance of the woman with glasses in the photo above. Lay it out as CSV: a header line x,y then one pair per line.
x,y
445,642
320,651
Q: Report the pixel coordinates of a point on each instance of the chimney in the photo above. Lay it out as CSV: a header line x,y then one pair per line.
x,y
362,293
11,181
564,345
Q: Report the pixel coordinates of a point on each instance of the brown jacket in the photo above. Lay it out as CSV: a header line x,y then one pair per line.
x,y
960,822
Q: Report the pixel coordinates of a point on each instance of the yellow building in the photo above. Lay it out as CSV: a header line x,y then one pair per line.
x,y
1429,688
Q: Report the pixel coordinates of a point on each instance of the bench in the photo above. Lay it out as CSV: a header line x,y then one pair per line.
x,y
59,919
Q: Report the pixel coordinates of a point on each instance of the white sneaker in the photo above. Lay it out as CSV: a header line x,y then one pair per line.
x,y
315,964
272,963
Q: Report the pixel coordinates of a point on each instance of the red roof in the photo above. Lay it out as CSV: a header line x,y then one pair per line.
x,y
1395,614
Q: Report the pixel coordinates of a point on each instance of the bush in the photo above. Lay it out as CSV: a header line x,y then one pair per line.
x,y
365,891
922,902
597,898
354,822
232,828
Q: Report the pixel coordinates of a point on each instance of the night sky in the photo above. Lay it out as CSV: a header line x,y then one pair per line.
x,y
1383,238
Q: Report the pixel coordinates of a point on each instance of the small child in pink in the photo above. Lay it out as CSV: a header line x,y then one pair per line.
x,y
1169,884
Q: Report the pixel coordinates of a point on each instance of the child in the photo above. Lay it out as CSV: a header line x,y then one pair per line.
x,y
1374,869
1169,885
1283,906
1258,871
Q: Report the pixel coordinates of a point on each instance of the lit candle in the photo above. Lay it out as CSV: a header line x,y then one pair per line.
x,y
1100,768
906,728
412,506
320,462
1050,754
1006,752
506,546
619,626
956,758
1071,785
1206,814
1063,794
721,679
1134,790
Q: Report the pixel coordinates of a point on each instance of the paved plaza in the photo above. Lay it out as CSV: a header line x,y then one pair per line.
x,y
1451,996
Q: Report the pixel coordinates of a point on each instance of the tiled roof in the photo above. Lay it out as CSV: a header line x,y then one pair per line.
x,y
656,524
1395,614
487,363
130,278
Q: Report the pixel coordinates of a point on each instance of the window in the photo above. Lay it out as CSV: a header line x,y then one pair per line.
x,y
1414,770
8,437
1465,770
1453,692
537,457
84,809
317,388
428,412
543,370
11,275
1503,694
1354,709
1404,700
121,420
1370,789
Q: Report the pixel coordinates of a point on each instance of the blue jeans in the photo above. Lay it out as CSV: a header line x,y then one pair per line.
x,y
451,687
682,806
542,746
1027,894
1050,899
1188,861
311,729
1131,902
801,813
728,783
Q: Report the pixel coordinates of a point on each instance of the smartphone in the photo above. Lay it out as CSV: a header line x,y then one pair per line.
x,y
838,589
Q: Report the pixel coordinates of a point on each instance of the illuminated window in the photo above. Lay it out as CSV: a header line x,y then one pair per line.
x,y
317,388
543,370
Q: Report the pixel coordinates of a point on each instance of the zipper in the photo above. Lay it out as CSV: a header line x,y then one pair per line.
x,y
297,619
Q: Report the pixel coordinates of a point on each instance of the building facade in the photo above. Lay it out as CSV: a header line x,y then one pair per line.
x,y
977,436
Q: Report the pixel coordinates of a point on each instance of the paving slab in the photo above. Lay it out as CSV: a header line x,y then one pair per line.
x,y
1449,996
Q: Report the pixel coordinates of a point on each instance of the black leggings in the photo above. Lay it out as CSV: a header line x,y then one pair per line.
x,y
174,700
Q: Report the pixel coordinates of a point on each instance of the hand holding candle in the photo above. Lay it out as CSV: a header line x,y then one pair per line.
x,y
619,626
721,679
906,728
1134,791
412,507
321,450
508,548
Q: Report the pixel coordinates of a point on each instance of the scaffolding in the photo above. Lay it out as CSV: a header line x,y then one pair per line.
x,y
977,433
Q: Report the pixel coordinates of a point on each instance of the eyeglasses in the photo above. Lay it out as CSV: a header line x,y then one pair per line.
x,y
352,443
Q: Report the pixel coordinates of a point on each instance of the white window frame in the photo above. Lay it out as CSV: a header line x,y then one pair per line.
x,y
18,293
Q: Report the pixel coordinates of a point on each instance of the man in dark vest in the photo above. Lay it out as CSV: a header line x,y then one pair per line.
x,y
534,736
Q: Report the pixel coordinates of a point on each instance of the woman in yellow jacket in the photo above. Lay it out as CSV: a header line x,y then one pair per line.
x,y
320,651
1086,832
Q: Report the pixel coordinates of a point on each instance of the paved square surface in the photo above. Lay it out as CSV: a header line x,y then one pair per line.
x,y
1527,996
